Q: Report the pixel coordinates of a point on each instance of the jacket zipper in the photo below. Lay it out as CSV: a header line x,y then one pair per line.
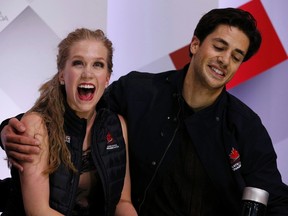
x,y
160,162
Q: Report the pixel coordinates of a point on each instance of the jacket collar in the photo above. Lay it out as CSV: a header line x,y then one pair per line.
x,y
177,80
72,123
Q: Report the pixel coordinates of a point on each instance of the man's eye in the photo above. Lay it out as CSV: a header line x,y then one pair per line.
x,y
218,48
237,59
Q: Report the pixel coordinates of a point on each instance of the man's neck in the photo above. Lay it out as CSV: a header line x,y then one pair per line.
x,y
196,95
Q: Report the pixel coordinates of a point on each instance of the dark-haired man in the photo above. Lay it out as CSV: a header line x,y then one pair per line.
x,y
193,146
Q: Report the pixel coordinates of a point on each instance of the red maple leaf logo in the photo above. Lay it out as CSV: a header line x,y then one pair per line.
x,y
109,138
234,154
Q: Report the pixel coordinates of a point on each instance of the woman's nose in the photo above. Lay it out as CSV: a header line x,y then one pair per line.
x,y
86,72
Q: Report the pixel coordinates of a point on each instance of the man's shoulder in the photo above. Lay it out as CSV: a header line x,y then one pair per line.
x,y
240,115
148,75
238,108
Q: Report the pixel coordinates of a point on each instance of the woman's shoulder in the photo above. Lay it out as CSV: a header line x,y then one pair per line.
x,y
32,118
34,123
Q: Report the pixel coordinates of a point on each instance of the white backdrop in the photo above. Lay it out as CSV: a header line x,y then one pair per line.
x,y
144,34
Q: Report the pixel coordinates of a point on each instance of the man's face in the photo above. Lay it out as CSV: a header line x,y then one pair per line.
x,y
218,57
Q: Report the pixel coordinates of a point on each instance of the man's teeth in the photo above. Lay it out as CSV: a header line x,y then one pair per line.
x,y
217,71
86,86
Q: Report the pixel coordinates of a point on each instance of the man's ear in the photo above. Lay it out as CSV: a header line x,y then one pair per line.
x,y
194,45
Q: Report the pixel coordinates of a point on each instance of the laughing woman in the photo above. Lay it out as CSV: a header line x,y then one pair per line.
x,y
83,167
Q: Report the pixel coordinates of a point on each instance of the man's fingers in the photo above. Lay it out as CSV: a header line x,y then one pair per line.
x,y
16,125
22,140
20,157
16,165
21,149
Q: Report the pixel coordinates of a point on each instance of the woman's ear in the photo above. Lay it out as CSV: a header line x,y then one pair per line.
x,y
107,80
61,78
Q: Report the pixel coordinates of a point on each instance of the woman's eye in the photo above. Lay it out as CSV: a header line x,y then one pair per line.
x,y
99,64
77,62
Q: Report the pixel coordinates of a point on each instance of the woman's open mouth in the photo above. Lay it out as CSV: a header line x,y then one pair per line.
x,y
86,91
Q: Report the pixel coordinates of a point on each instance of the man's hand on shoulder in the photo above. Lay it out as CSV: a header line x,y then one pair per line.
x,y
19,148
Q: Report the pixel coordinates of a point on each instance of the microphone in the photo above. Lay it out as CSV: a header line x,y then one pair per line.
x,y
254,202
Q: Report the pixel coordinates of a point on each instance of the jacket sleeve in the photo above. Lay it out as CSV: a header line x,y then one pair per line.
x,y
117,97
260,166
4,123
5,190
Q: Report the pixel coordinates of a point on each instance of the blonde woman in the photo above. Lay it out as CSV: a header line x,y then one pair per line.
x,y
83,166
